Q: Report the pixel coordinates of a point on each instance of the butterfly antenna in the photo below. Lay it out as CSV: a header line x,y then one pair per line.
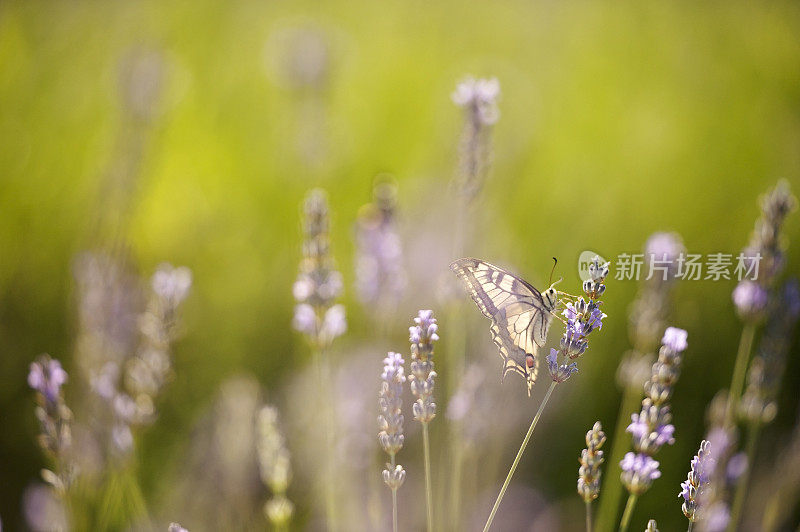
x,y
555,262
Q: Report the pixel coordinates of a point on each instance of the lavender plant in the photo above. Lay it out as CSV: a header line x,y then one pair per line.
x,y
665,263
764,260
652,526
758,406
764,256
651,428
422,381
147,371
589,472
380,275
582,318
46,377
318,284
693,488
390,422
275,466
478,98
317,287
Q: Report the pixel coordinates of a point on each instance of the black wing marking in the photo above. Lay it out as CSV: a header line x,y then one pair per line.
x,y
520,321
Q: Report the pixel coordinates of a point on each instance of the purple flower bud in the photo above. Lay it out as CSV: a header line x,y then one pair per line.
x,y
560,372
638,472
46,376
675,339
750,299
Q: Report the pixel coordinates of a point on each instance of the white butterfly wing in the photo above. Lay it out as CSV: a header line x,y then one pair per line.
x,y
520,321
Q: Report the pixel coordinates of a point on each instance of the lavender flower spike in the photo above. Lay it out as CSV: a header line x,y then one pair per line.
x,y
591,459
318,283
583,317
391,401
423,377
638,472
697,480
46,377
560,372
390,421
652,526
750,299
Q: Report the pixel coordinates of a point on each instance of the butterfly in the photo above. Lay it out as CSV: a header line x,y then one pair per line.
x,y
521,315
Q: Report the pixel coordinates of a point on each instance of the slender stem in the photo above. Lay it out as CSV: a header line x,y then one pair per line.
x,y
612,491
626,515
519,456
739,371
428,490
394,502
323,370
744,480
456,487
691,526
588,516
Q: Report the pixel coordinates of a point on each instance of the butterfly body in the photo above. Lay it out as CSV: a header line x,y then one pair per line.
x,y
521,315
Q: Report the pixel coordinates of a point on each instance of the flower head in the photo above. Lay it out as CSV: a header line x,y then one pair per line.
x,y
560,372
638,472
696,481
480,97
318,283
390,419
594,287
750,299
172,284
422,336
591,459
675,339
391,401
46,376
380,277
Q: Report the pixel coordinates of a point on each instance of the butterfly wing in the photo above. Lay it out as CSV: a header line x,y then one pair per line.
x,y
520,321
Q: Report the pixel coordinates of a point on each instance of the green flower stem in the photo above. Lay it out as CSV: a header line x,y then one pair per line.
x,y
588,516
323,369
739,372
626,515
741,487
428,490
612,491
519,456
394,502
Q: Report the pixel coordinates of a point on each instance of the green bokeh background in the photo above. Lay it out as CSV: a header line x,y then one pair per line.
x,y
618,119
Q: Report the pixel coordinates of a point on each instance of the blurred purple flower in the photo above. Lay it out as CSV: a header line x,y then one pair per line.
x,y
693,487
661,434
750,299
480,96
46,376
638,472
675,339
560,372
172,284
737,466
305,319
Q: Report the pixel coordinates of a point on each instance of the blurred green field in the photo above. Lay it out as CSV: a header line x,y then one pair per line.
x,y
618,119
